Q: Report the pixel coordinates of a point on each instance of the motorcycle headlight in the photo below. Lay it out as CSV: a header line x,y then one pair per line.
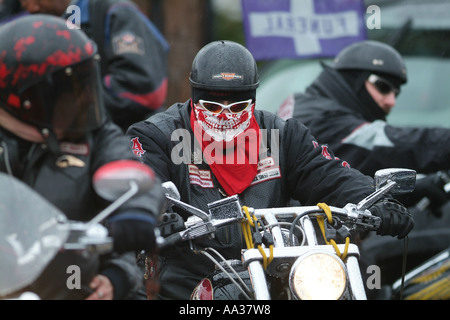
x,y
318,276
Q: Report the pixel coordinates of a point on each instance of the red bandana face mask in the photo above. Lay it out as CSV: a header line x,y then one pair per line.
x,y
224,126
216,133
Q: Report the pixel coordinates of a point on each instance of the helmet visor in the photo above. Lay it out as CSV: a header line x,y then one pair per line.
x,y
67,101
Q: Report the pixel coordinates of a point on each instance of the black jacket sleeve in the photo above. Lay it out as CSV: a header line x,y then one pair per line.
x,y
110,145
425,150
316,175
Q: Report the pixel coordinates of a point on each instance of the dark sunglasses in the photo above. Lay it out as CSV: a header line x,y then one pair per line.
x,y
216,107
382,85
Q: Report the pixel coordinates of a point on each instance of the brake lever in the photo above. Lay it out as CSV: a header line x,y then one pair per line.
x,y
374,197
360,219
188,208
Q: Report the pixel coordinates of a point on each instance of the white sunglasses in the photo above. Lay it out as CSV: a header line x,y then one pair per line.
x,y
216,107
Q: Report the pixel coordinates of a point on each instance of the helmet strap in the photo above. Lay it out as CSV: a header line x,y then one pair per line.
x,y
51,140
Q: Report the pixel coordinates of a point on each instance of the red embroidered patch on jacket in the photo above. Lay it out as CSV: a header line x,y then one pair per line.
x,y
137,147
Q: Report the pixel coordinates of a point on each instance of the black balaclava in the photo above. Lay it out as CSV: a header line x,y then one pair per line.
x,y
356,80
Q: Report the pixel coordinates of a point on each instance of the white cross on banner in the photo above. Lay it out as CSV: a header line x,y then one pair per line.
x,y
277,29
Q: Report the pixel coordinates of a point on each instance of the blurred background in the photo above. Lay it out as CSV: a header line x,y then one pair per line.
x,y
419,30
188,26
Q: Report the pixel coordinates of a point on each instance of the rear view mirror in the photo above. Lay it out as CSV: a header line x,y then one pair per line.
x,y
119,181
114,179
171,190
391,180
405,179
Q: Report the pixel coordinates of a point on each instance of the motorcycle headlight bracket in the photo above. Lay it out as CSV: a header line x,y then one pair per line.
x,y
318,275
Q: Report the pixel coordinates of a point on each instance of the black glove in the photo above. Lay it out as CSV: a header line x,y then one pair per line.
x,y
132,231
395,218
432,187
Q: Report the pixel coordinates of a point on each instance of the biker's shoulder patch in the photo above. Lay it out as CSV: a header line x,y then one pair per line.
x,y
267,170
203,178
81,149
128,42
137,148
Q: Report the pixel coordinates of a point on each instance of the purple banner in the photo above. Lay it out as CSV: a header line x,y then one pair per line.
x,y
276,29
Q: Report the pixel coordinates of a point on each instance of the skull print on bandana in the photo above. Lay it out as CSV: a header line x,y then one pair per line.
x,y
223,126
233,177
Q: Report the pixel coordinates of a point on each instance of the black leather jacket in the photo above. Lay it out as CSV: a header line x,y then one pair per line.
x,y
358,133
298,168
66,181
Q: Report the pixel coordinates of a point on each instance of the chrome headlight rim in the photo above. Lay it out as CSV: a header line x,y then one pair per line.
x,y
318,275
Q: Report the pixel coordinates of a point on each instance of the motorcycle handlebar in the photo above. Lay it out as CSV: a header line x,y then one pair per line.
x,y
349,215
354,216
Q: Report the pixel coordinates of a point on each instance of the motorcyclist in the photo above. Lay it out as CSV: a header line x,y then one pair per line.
x,y
347,106
133,52
54,136
215,145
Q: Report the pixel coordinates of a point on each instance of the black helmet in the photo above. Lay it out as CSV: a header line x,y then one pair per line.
x,y
224,66
49,75
372,56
